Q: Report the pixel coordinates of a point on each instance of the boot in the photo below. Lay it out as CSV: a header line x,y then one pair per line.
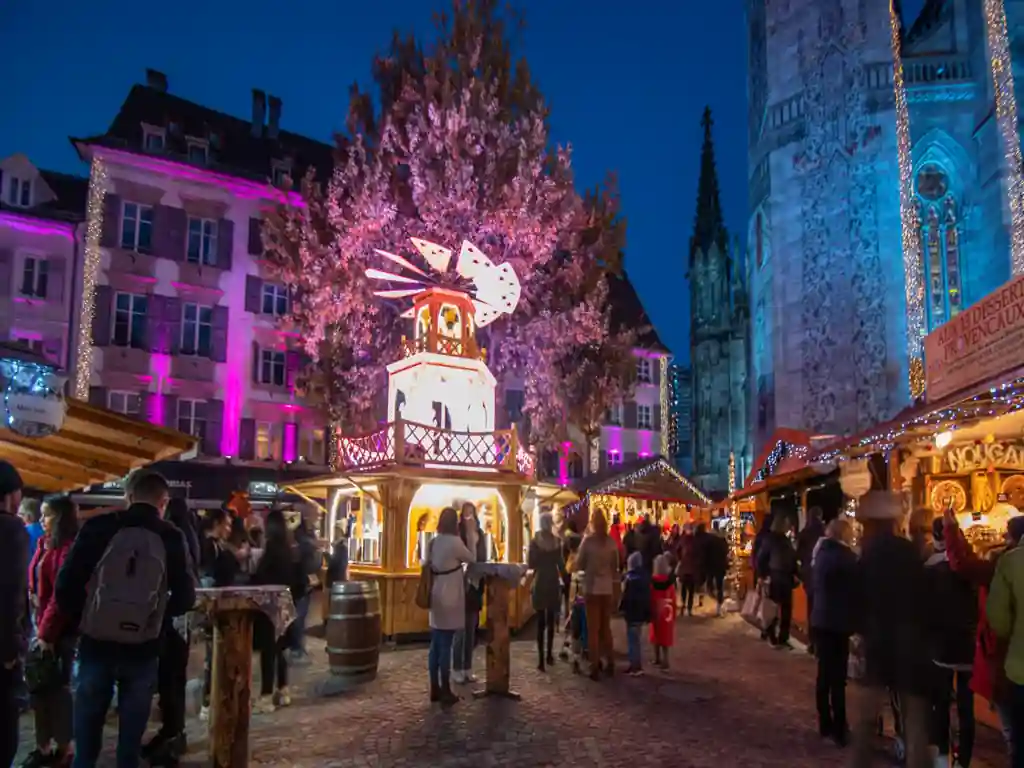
x,y
435,691
448,697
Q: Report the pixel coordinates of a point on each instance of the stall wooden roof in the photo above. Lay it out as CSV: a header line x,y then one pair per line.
x,y
94,446
644,478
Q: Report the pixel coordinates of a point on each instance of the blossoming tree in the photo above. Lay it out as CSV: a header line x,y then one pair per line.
x,y
455,147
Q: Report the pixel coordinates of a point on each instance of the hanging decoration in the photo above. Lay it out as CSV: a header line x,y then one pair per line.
x,y
855,478
33,395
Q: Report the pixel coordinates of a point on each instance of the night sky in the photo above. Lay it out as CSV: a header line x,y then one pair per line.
x,y
626,81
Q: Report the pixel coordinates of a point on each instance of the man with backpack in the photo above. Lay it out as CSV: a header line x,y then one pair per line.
x,y
126,577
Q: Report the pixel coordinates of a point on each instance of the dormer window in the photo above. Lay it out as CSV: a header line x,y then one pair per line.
x,y
19,192
198,151
154,139
282,174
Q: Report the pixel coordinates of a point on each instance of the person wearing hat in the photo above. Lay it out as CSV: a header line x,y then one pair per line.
x,y
13,607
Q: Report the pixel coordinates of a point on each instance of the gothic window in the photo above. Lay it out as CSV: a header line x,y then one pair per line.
x,y
939,227
759,238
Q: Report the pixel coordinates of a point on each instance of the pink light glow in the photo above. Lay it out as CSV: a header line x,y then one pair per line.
x,y
28,300
291,434
563,463
613,438
144,279
290,407
37,226
197,288
645,438
233,397
239,187
161,365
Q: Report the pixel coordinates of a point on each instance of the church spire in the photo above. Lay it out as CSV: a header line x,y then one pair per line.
x,y
708,226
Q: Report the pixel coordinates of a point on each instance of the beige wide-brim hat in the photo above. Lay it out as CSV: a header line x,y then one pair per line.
x,y
880,505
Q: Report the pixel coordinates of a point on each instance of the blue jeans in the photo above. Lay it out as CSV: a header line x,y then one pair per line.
x,y
465,641
136,682
298,630
636,660
439,660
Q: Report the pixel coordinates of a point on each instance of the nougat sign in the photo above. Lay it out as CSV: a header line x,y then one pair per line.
x,y
978,344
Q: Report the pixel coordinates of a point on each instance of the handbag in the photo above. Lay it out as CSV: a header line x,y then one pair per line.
x,y
44,670
426,583
768,610
751,605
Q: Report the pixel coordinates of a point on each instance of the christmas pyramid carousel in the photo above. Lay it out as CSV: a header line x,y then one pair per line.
x,y
439,446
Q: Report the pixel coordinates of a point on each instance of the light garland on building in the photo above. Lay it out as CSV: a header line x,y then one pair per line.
x,y
735,531
1001,64
90,272
666,427
913,269
624,481
779,453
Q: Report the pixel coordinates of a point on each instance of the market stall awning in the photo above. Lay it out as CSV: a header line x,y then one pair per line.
x,y
644,478
784,460
94,445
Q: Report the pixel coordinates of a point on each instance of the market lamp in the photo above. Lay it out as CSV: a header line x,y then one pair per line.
x,y
942,439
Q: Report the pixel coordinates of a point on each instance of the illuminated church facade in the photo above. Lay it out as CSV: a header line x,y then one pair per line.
x,y
825,256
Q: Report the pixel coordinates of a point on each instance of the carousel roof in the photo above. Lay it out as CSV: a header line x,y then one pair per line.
x,y
93,446
646,478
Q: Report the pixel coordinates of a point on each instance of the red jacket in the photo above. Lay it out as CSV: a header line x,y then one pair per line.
x,y
989,650
51,623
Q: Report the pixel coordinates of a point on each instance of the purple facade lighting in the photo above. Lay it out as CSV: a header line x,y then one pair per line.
x,y
37,226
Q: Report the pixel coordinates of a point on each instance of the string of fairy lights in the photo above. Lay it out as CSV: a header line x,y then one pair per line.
x,y
90,271
1001,65
735,530
913,267
665,414
623,481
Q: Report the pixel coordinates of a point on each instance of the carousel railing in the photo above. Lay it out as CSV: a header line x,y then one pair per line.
x,y
442,345
407,443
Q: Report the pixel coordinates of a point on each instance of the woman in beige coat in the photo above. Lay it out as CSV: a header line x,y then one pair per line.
x,y
598,559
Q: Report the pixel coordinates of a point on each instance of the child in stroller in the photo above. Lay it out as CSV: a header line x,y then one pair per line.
x,y
575,631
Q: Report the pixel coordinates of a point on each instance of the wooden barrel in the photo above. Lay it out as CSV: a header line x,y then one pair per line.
x,y
353,632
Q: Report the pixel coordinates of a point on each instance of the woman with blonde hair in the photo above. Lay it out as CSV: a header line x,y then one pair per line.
x,y
834,618
598,560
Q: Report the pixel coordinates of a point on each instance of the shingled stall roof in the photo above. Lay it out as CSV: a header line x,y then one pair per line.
x,y
233,147
648,478
628,312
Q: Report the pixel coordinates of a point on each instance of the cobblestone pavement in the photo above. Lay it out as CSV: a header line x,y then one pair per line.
x,y
729,700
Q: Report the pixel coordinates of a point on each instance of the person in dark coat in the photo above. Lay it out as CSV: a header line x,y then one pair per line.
x,y
835,617
312,560
14,559
893,586
806,540
952,627
472,535
687,568
777,559
714,559
635,607
649,544
545,560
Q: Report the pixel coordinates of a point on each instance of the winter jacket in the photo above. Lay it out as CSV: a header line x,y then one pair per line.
x,y
894,623
635,605
777,560
714,555
760,566
474,594
689,560
805,543
835,580
14,559
989,651
51,623
1007,621
598,558
650,545
85,555
218,565
545,560
186,521
952,613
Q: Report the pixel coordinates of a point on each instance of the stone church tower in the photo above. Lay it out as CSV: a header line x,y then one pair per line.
x,y
719,336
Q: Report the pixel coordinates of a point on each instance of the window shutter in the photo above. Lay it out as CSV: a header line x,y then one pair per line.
x,y
150,407
170,227
292,369
656,371
255,236
603,461
219,335
255,362
56,269
98,396
630,411
253,294
110,236
172,324
247,439
6,267
170,414
156,330
102,311
657,418
214,428
225,242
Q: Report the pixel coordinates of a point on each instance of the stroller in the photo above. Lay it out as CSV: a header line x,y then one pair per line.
x,y
575,630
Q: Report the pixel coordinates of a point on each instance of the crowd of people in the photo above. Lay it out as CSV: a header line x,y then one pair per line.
x,y
99,611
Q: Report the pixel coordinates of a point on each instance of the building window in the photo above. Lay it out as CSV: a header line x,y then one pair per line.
x,y
192,417
643,370
128,403
281,176
196,330
130,320
644,417
275,300
272,367
153,140
613,458
34,277
939,229
266,441
197,152
614,414
19,192
315,447
137,228
202,241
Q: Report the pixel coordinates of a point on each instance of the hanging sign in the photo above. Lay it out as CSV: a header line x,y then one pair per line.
x,y
978,344
971,457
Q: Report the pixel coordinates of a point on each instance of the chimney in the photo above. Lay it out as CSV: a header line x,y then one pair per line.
x,y
156,80
259,111
274,118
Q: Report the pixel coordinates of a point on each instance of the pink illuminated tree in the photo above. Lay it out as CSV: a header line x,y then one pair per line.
x,y
455,146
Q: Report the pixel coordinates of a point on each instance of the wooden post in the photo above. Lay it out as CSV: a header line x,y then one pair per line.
x,y
230,692
499,655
